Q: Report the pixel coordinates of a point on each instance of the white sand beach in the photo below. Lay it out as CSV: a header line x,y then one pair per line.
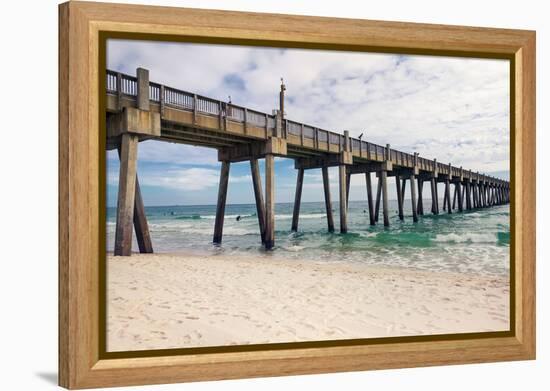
x,y
159,301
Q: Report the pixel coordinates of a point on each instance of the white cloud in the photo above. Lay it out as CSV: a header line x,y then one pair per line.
x,y
190,179
156,152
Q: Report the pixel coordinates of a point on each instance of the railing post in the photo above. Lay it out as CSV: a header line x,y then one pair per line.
x,y
161,100
195,100
119,90
220,116
142,89
278,131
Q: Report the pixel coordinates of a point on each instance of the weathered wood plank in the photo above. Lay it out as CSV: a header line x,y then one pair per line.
x,y
222,198
126,194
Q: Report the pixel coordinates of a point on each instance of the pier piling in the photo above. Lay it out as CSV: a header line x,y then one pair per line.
x,y
385,211
378,196
328,201
448,196
433,186
220,207
297,199
126,194
413,199
343,198
258,196
420,207
459,196
369,198
269,201
143,236
399,196
348,183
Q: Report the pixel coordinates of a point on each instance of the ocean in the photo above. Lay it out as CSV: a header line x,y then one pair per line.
x,y
476,241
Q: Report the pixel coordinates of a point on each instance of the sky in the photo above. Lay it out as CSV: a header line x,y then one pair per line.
x,y
452,109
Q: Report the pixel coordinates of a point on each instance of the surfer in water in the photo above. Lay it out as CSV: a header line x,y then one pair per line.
x,y
238,218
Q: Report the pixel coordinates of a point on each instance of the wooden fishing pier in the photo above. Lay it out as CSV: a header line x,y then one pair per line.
x,y
138,110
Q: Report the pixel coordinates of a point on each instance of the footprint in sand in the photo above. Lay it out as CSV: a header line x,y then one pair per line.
x,y
197,334
160,334
424,310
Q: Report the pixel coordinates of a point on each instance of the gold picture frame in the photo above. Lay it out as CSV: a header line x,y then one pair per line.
x,y
83,30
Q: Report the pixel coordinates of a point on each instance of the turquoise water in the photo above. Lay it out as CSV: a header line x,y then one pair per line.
x,y
471,242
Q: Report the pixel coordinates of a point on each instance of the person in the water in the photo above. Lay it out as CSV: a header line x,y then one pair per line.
x,y
239,218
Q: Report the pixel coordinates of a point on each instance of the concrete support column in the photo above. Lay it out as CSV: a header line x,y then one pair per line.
x,y
269,201
342,182
126,194
399,196
459,196
297,199
385,211
258,195
413,198
420,206
448,196
328,201
220,207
